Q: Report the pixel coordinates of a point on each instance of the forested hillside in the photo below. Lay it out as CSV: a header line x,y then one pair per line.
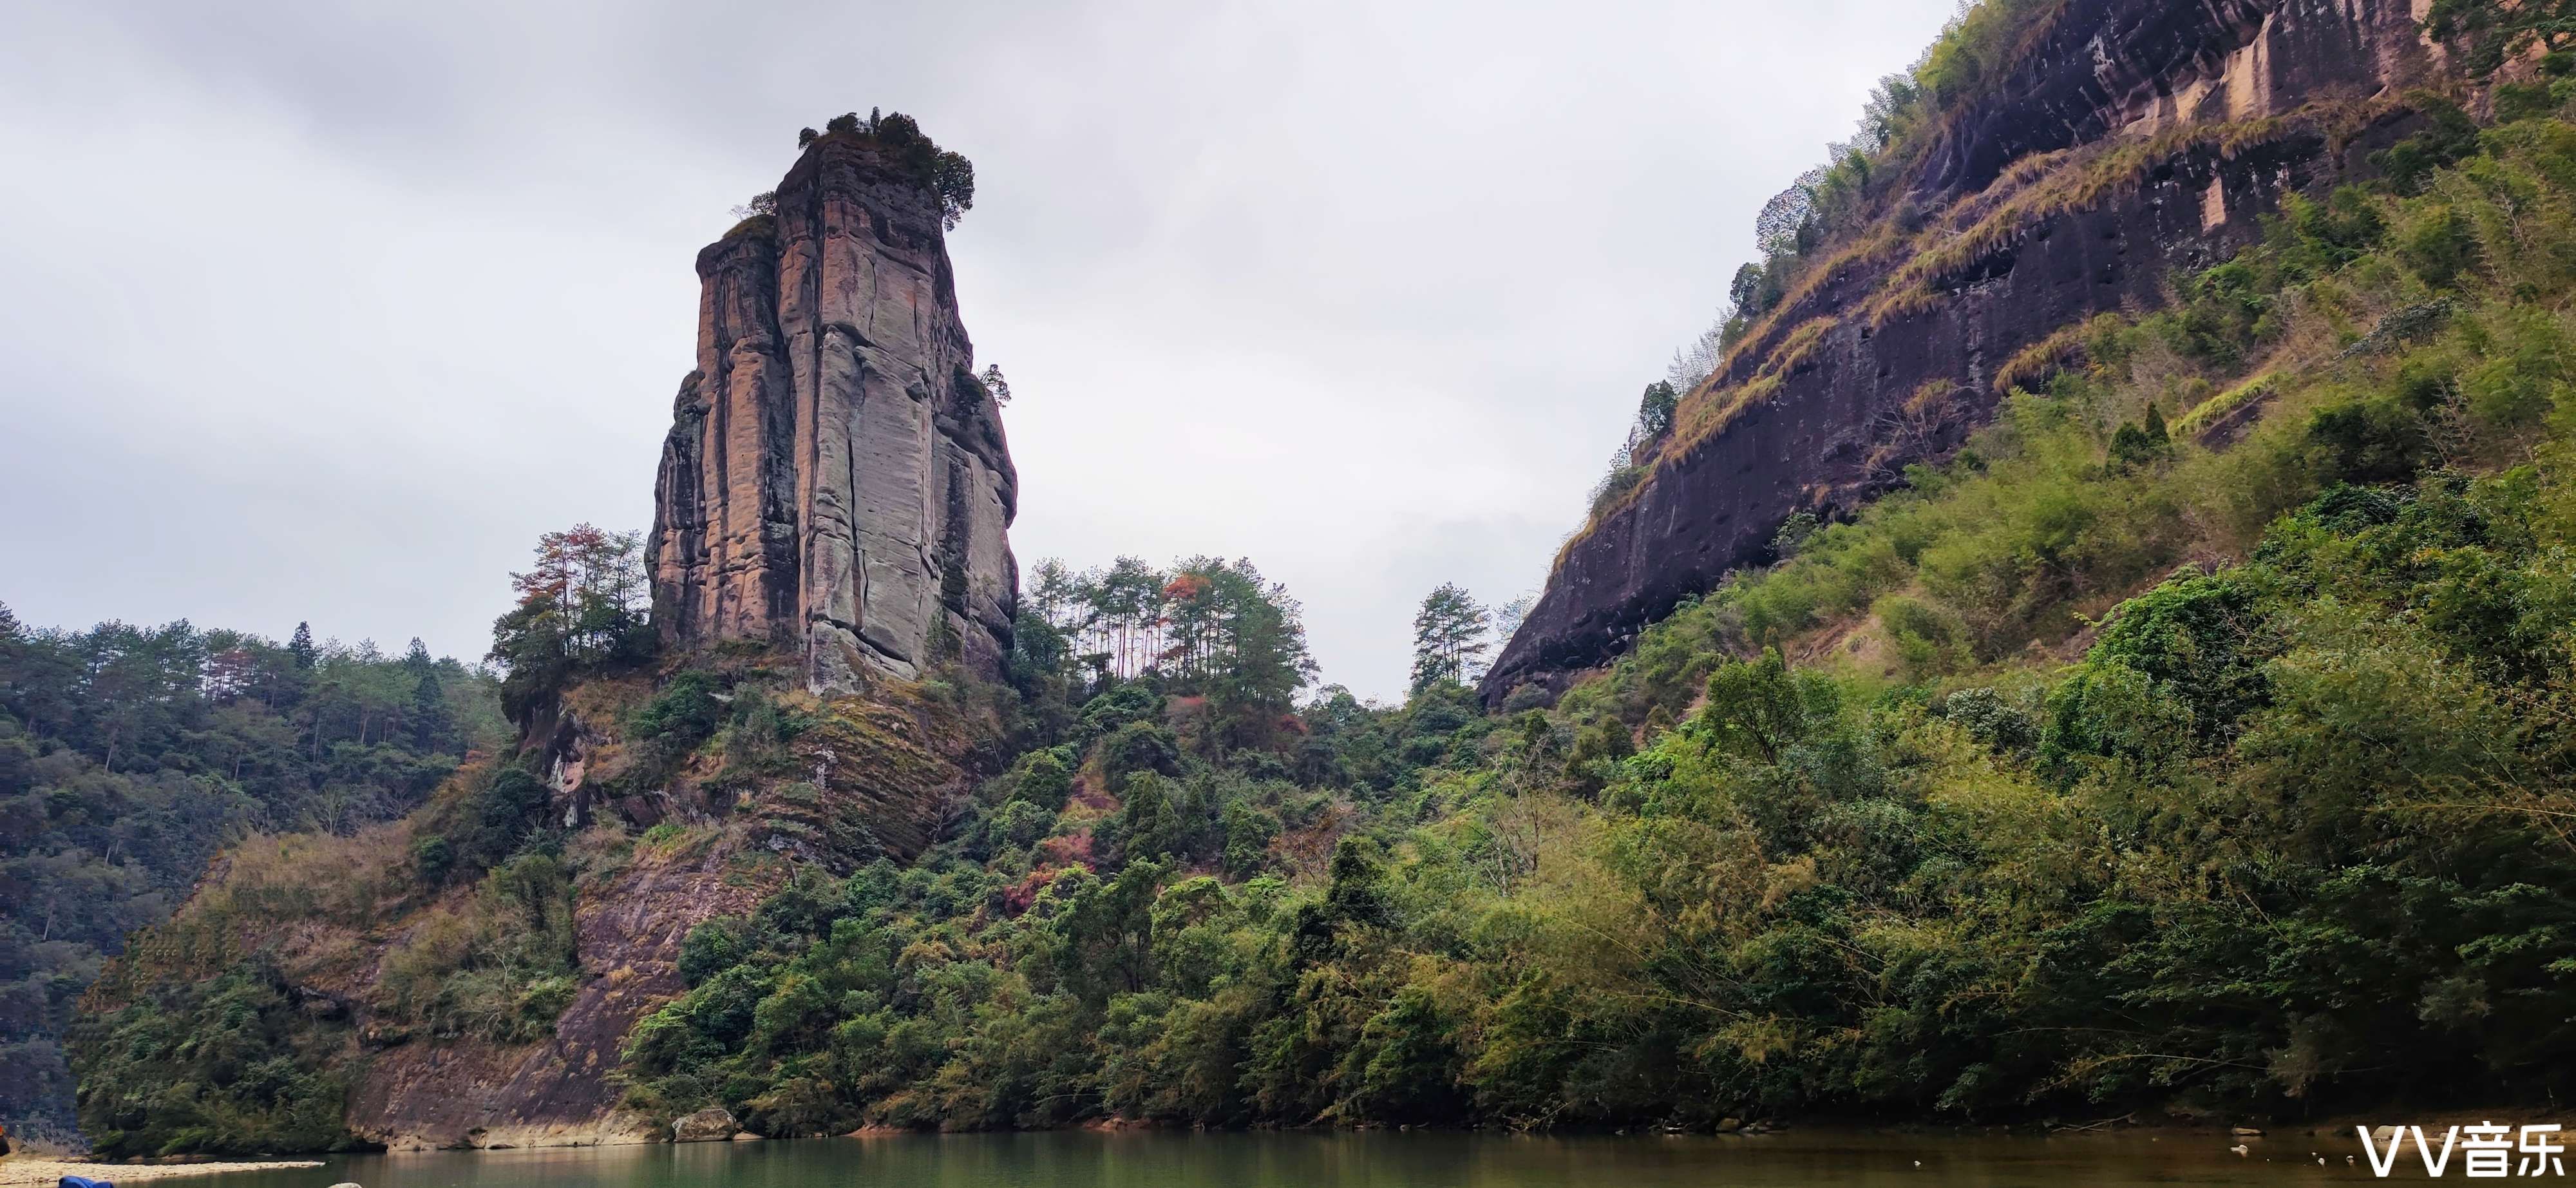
x,y
129,755
1936,818
2195,737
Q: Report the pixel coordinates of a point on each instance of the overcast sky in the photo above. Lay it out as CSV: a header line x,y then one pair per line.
x,y
324,311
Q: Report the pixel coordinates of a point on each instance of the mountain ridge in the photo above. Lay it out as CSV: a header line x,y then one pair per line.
x,y
1878,361
2075,771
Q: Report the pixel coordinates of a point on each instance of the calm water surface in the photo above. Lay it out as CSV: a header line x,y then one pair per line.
x,y
1369,1160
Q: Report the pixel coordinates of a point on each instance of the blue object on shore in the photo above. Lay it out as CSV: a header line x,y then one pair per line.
x,y
84,1182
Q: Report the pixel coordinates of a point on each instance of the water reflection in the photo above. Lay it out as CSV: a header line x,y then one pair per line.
x,y
1361,1160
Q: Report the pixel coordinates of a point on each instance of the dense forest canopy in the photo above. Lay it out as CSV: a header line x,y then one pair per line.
x,y
129,755
2283,834
2197,739
1207,628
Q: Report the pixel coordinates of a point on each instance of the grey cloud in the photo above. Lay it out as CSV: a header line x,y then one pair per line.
x,y
324,310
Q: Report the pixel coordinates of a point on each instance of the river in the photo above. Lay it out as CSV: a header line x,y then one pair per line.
x,y
1375,1159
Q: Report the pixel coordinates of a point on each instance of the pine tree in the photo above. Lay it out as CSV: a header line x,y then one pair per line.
x,y
585,593
1259,658
2133,445
1655,409
1450,635
430,723
302,646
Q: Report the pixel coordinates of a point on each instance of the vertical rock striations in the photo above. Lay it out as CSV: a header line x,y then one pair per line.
x,y
836,480
2191,120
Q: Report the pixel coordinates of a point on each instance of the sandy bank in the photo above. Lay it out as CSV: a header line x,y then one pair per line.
x,y
15,1172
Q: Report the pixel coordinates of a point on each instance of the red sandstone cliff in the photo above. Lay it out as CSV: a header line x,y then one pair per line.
x,y
836,480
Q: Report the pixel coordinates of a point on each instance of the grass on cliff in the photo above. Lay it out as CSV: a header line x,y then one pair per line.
x,y
2078,778
1908,269
456,924
298,936
131,755
2032,532
2097,771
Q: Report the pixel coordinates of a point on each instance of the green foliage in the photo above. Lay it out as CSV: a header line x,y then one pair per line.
x,y
1851,195
1655,408
2174,674
1622,478
2220,314
2523,101
947,175
2524,369
223,1067
1042,779
1975,47
128,755
2449,136
1849,834
1754,707
2311,239
2133,446
2281,840
1450,635
508,808
1139,747
1930,640
432,858
1596,753
1208,628
2367,441
581,610
502,969
1794,533
2436,242
710,949
683,714
2489,33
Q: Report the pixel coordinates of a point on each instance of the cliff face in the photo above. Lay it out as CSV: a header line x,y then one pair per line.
x,y
422,1094
2133,139
836,480
873,777
835,486
340,922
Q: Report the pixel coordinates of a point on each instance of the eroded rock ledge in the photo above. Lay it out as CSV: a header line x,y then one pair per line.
x,y
1889,355
836,480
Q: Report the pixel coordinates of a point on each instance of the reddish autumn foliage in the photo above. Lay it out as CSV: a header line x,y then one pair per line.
x,y
1071,849
1017,898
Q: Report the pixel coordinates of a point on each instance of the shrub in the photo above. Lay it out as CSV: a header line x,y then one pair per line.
x,y
684,714
711,948
2366,442
1043,780
432,858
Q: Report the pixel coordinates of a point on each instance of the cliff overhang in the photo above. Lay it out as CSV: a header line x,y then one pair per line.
x,y
2131,141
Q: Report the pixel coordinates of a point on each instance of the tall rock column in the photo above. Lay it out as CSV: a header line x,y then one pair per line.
x,y
836,480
